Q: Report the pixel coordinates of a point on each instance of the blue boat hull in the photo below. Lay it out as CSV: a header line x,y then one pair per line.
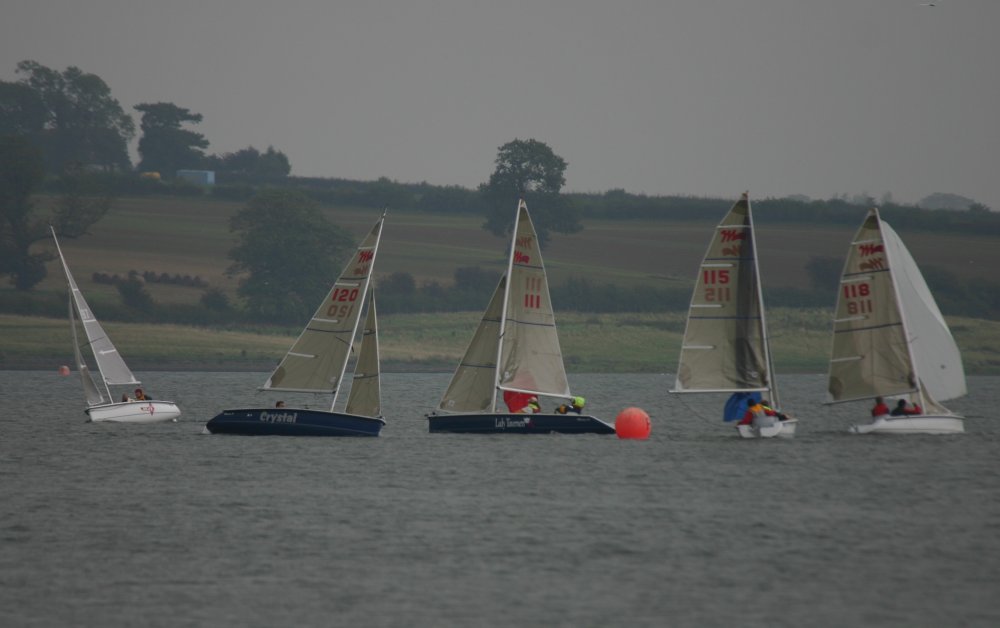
x,y
292,422
518,424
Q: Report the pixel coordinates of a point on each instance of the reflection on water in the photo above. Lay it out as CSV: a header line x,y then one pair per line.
x,y
160,524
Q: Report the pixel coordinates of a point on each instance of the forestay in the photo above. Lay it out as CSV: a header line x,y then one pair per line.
x,y
725,347
318,359
530,357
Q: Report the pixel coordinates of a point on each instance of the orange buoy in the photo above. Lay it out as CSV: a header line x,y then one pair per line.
x,y
633,423
64,370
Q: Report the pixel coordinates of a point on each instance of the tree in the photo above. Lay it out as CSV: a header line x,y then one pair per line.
x,y
164,146
83,124
288,252
529,170
251,163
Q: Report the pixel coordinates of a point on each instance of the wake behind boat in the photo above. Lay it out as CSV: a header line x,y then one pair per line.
x,y
110,364
317,362
890,339
514,350
726,348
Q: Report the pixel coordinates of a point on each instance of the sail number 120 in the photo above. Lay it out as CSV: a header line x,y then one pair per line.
x,y
342,295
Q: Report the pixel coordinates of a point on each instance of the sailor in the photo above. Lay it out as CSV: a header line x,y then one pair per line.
x,y
758,416
880,409
576,406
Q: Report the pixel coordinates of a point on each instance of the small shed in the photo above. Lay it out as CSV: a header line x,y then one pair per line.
x,y
198,177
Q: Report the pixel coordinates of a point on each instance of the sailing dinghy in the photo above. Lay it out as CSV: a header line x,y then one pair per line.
x,y
889,338
726,348
514,351
101,405
317,363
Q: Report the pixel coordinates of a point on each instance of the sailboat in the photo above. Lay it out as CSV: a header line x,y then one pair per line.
x,y
317,363
101,405
726,348
889,338
514,351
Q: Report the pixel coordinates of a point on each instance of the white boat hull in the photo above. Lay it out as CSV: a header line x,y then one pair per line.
x,y
912,424
781,429
135,412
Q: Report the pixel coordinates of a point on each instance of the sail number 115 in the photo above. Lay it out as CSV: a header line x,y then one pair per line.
x,y
713,293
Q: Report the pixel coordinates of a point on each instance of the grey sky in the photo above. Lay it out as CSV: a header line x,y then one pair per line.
x,y
693,97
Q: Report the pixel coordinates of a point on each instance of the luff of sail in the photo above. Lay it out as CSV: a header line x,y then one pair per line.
x,y
90,391
724,346
109,362
870,356
530,357
366,393
472,385
318,358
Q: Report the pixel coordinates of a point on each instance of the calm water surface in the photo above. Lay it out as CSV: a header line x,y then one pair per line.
x,y
162,525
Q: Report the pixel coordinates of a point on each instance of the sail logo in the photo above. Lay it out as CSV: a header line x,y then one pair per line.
x,y
365,256
278,417
150,409
504,422
731,235
524,242
870,249
877,263
732,250
521,258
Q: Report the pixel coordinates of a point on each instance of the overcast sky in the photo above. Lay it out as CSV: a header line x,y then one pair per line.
x,y
689,97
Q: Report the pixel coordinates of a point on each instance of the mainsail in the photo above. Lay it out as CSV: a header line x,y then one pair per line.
x,y
889,335
530,359
366,393
725,344
318,359
109,362
472,386
90,390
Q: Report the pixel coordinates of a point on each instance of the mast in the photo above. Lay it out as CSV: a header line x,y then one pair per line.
x,y
771,382
902,313
506,296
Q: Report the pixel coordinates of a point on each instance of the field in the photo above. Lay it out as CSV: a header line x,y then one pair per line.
x,y
191,237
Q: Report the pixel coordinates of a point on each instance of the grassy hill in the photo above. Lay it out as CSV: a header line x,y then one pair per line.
x,y
191,236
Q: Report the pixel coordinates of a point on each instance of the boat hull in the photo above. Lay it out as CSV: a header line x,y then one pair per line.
x,y
293,422
912,424
134,412
511,423
781,429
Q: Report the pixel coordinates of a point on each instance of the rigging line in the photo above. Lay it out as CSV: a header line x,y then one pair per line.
x,y
703,418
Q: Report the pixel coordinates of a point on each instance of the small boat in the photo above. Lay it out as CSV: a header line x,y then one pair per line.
x,y
890,339
726,348
317,363
515,352
101,405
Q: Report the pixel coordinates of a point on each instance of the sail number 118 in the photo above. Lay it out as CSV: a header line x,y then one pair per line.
x,y
855,296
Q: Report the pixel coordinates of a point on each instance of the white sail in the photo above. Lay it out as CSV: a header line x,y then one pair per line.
x,y
725,344
889,335
935,354
530,357
109,362
366,393
90,391
318,358
472,385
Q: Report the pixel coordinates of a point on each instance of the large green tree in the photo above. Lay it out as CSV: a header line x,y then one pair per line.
x,y
165,147
82,124
529,170
288,254
21,172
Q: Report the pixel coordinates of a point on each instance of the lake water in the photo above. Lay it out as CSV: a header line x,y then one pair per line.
x,y
163,525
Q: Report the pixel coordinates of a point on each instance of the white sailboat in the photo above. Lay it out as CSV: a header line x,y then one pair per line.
x,y
317,362
101,405
889,338
726,348
515,350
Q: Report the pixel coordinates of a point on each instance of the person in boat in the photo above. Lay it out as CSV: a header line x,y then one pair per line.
x,y
767,407
279,404
880,409
576,406
126,398
904,409
533,407
141,396
757,415
518,402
